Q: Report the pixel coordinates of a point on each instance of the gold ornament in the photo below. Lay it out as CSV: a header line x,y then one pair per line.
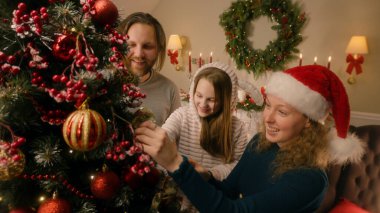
x,y
351,79
12,161
84,129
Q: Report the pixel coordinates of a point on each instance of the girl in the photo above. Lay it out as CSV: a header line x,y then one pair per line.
x,y
282,169
205,130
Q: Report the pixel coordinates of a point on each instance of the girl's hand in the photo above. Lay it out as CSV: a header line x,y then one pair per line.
x,y
156,143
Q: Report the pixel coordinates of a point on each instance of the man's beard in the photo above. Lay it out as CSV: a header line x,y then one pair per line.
x,y
140,72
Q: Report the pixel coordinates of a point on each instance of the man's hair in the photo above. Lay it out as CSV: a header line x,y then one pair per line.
x,y
146,18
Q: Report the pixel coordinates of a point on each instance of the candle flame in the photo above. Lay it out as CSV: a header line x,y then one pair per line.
x,y
200,54
189,53
210,53
315,59
329,58
300,55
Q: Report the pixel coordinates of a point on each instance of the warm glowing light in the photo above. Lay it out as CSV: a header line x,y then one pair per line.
x,y
42,198
71,151
92,177
1,198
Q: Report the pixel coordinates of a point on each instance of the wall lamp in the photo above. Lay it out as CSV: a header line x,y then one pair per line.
x,y
355,48
174,50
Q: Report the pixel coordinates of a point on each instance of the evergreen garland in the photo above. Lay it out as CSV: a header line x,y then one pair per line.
x,y
289,21
249,104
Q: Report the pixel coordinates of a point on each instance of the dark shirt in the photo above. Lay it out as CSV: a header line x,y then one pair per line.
x,y
251,187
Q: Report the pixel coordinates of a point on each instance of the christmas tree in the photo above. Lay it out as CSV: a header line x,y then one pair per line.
x,y
68,109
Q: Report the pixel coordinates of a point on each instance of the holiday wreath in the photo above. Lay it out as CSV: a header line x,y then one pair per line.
x,y
289,21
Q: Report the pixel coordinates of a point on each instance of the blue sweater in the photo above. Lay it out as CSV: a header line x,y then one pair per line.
x,y
251,188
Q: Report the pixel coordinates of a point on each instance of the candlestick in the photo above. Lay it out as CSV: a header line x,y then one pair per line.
x,y
210,57
300,63
328,62
189,61
200,60
315,60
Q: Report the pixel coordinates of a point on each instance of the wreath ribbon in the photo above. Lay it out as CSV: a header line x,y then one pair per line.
x,y
354,63
173,56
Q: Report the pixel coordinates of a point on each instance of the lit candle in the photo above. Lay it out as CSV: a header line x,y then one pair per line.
x,y
300,63
200,60
315,60
328,62
210,57
189,61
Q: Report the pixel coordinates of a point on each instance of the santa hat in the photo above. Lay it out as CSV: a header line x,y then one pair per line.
x,y
314,90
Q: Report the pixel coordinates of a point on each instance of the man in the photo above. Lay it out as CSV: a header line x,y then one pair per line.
x,y
147,51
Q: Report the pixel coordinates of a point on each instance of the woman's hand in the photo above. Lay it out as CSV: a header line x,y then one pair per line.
x,y
156,143
206,174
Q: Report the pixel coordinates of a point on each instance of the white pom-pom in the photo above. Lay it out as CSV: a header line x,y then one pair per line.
x,y
345,150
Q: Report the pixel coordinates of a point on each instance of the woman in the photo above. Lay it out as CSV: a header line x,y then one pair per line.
x,y
282,169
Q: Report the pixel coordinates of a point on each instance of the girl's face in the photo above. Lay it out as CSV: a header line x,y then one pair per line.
x,y
204,99
282,122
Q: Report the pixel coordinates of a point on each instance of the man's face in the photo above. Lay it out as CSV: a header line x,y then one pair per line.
x,y
143,48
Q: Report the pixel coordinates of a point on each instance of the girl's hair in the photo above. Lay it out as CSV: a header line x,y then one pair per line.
x,y
146,18
216,130
308,150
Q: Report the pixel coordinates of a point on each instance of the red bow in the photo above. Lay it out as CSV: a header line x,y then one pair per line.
x,y
173,56
354,63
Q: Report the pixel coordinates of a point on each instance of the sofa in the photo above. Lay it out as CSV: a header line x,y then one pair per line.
x,y
355,188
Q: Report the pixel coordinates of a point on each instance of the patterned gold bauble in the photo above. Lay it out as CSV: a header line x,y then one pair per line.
x,y
12,161
84,129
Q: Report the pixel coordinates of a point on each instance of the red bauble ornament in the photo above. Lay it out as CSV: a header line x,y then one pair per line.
x,y
62,46
84,129
55,205
133,180
22,210
105,185
105,12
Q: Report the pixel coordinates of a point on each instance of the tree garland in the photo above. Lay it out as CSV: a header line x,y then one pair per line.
x,y
288,20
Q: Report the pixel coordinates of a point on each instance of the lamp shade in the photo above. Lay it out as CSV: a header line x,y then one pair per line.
x,y
357,45
174,42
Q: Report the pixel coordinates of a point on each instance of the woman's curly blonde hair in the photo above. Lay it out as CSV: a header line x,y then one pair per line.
x,y
308,150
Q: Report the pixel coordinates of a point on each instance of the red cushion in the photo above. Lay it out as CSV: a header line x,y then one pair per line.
x,y
346,206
